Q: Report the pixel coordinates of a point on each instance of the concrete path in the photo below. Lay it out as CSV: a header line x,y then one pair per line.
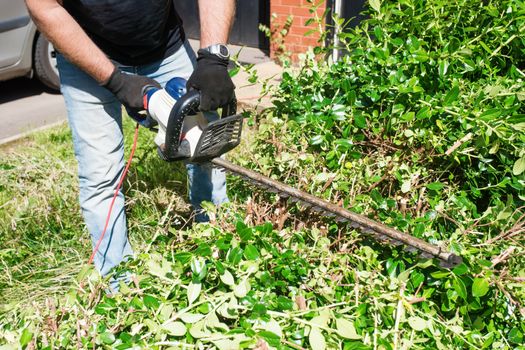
x,y
248,93
26,105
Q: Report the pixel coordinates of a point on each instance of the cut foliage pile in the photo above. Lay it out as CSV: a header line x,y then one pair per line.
x,y
420,125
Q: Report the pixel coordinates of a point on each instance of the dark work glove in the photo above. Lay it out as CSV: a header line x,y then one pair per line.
x,y
211,78
128,89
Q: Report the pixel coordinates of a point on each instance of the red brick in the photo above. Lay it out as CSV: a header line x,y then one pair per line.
x,y
292,37
295,41
291,2
279,10
301,30
301,11
310,41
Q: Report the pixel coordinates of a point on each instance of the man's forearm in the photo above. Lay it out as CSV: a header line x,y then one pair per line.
x,y
69,38
216,17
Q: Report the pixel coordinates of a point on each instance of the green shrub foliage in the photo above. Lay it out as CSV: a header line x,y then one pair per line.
x,y
421,124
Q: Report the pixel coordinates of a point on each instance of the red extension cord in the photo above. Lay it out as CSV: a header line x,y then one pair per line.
x,y
116,193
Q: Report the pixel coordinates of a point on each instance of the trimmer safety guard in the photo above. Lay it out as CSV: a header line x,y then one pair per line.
x,y
218,137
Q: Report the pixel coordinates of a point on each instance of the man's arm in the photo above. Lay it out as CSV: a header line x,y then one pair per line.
x,y
216,17
69,38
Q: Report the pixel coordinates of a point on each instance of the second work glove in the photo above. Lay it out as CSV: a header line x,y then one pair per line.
x,y
128,88
211,78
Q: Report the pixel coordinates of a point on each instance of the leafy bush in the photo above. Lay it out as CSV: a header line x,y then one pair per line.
x,y
437,85
421,125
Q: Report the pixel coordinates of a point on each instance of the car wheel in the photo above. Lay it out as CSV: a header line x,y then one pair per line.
x,y
45,63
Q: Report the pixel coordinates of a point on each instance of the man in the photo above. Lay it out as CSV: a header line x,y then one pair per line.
x,y
109,50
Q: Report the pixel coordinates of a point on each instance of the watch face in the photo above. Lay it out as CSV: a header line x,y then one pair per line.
x,y
223,49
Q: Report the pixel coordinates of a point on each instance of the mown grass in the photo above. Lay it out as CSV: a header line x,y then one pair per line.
x,y
43,239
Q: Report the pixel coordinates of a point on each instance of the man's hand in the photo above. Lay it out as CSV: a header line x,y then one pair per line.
x,y
211,78
129,89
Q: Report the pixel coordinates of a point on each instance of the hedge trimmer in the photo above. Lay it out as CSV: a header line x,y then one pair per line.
x,y
185,133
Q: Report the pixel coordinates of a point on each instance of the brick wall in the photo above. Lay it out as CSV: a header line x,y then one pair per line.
x,y
295,41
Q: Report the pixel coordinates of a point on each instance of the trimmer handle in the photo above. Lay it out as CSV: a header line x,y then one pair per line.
x,y
186,105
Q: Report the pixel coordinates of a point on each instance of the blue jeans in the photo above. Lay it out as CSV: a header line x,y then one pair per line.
x,y
95,119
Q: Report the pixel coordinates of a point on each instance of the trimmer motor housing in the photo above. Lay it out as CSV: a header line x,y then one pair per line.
x,y
185,132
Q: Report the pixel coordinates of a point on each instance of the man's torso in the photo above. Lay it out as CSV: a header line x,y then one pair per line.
x,y
131,32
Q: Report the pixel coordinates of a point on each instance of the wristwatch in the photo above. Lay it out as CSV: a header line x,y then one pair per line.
x,y
219,50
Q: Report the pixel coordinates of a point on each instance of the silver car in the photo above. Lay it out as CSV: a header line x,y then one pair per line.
x,y
23,51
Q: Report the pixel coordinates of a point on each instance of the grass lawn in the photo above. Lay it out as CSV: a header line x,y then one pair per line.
x,y
44,242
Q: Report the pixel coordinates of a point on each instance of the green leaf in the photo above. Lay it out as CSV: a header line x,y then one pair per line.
x,y
417,323
245,234
346,329
480,287
225,344
321,320
233,72
191,318
316,339
284,303
376,5
360,121
151,302
227,278
344,144
435,186
26,337
194,289
220,267
176,329
460,288
490,114
259,309
198,265
451,96
519,166
461,269
424,113
165,311
443,68
157,270
316,140
203,249
242,288
440,274
271,338
251,252
197,330
107,338
274,327
183,257
515,336
234,255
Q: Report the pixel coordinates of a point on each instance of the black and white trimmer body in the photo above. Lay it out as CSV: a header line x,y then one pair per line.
x,y
185,133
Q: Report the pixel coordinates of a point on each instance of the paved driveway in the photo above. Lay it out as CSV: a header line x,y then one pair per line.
x,y
26,105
